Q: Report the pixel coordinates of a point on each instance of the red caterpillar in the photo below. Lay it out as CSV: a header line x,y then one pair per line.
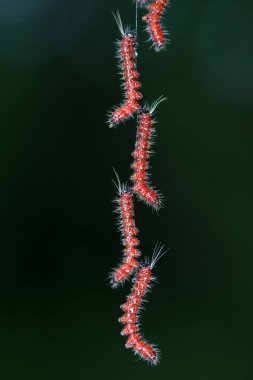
x,y
154,28
131,308
141,154
127,57
125,209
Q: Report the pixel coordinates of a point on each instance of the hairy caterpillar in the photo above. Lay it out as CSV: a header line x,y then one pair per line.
x,y
126,53
125,209
141,155
153,19
141,285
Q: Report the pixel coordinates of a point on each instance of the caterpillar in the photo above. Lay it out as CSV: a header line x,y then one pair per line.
x,y
126,53
141,285
126,222
154,28
139,177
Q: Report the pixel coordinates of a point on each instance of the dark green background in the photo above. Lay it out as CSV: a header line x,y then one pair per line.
x,y
58,316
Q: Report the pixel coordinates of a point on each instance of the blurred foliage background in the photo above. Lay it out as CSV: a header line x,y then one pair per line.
x,y
58,317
